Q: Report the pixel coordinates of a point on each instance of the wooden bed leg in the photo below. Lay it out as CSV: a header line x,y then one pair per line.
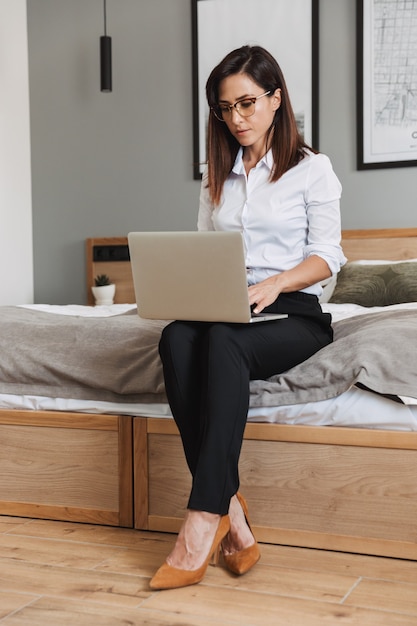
x,y
140,473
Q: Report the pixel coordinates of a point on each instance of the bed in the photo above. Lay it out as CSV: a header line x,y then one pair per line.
x,y
317,473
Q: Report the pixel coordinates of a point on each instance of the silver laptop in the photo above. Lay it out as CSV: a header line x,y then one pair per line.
x,y
198,276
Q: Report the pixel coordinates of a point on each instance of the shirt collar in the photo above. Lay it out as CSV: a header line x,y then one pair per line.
x,y
238,167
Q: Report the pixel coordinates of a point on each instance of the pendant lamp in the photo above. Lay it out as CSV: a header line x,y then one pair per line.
x,y
105,57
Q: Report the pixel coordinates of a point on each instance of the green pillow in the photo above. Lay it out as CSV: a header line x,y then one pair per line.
x,y
376,285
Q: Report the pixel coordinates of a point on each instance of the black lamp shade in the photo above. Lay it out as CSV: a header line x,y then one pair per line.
x,y
105,63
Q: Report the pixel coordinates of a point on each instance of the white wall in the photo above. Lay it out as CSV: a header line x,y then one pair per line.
x,y
16,257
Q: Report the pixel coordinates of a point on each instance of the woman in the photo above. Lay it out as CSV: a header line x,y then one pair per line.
x,y
262,180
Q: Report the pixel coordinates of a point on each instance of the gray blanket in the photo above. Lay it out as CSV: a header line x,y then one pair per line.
x,y
113,359
377,350
116,359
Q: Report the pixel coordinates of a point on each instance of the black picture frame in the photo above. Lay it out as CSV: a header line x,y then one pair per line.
x,y
386,84
296,37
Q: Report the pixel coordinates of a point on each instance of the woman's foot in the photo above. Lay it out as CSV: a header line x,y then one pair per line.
x,y
199,538
194,540
240,549
240,535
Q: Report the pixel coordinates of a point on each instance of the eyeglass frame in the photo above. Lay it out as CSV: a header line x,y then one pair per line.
x,y
253,99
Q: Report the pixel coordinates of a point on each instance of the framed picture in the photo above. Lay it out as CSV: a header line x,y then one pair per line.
x,y
287,29
387,83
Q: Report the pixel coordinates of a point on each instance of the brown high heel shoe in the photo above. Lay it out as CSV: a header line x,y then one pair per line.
x,y
242,561
168,577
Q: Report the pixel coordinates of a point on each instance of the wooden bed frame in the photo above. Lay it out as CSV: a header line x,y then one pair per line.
x,y
322,487
66,466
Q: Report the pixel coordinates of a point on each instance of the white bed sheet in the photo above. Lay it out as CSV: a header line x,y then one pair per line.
x,y
355,408
338,311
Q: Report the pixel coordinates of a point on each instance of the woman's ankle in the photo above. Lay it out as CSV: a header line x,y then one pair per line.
x,y
194,540
240,535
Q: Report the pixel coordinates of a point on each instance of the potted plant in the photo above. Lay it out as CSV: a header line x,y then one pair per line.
x,y
103,290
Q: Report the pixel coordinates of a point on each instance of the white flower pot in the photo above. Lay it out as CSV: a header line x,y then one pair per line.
x,y
104,295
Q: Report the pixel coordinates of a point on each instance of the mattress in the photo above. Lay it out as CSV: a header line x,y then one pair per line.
x,y
355,407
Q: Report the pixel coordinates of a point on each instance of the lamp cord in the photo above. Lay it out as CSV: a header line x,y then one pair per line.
x,y
105,17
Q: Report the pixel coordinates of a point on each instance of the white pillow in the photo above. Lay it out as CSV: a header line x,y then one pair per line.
x,y
328,287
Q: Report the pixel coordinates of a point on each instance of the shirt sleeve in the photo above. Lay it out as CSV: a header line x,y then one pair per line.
x,y
205,211
323,192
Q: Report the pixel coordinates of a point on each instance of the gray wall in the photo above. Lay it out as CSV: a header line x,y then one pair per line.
x,y
105,164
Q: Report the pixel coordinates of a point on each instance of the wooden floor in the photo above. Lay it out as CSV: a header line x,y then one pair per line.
x,y
59,574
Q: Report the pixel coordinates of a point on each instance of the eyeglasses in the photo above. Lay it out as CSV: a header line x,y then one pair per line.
x,y
245,107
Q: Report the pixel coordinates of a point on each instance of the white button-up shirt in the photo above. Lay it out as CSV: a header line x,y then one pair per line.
x,y
282,223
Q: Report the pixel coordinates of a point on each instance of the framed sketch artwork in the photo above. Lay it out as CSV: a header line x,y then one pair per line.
x,y
387,83
286,28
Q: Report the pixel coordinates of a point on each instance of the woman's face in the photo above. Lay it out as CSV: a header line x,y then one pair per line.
x,y
249,131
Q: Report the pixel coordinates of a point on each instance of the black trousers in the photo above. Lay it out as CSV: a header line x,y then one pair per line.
x,y
207,369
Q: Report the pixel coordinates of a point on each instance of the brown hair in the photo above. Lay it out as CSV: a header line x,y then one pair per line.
x,y
288,146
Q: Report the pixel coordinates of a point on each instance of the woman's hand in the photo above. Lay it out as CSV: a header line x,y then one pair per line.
x,y
264,293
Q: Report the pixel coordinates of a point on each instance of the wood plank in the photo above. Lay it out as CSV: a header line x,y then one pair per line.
x,y
162,426
48,611
59,419
11,602
141,474
58,552
389,596
60,513
10,523
169,478
388,244
165,523
66,473
358,437
323,560
80,466
55,572
334,435
339,543
80,534
307,539
357,492
108,588
125,471
61,467
377,249
246,606
378,233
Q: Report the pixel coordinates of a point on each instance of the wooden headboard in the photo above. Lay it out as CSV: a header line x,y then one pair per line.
x,y
110,255
390,244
